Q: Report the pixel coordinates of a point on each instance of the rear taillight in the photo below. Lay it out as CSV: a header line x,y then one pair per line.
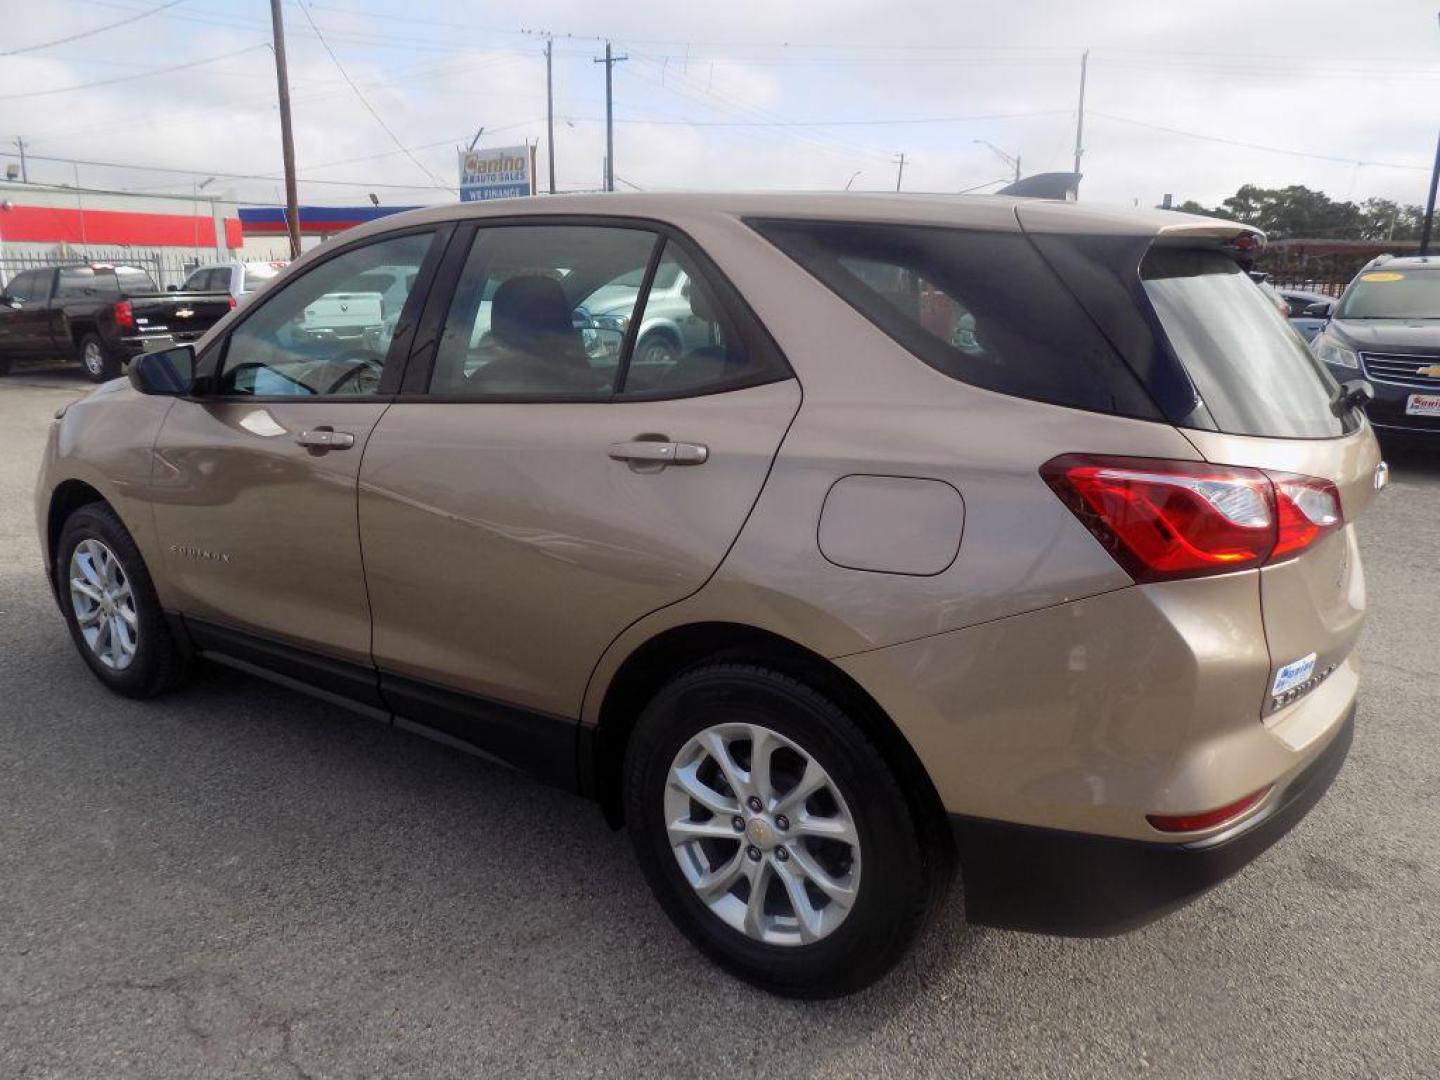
x,y
231,299
1207,819
124,315
1163,519
1307,509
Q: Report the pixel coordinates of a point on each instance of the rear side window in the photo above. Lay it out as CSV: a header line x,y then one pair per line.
x,y
1254,374
981,307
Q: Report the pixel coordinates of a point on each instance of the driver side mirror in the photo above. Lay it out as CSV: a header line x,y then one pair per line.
x,y
169,372
1318,310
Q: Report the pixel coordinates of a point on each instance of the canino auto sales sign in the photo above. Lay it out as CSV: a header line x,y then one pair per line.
x,y
495,174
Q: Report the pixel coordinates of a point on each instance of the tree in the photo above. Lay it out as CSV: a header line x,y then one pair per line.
x,y
1297,211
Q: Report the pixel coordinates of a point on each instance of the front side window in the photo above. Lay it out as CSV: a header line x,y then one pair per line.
x,y
541,312
979,306
328,331
27,287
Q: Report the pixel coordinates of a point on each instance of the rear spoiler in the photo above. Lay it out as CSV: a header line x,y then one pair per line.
x,y
1050,185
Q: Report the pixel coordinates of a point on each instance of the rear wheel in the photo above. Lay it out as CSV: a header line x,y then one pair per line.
x,y
99,364
774,833
111,608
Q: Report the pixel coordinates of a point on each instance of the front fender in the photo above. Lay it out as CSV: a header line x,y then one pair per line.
x,y
106,441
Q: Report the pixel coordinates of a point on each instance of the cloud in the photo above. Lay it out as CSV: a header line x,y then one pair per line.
x,y
436,72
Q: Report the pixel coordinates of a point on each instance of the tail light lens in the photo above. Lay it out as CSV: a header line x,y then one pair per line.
x,y
124,315
231,299
1164,519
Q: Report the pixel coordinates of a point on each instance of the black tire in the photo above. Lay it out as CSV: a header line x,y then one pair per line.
x,y
158,665
898,884
656,348
100,363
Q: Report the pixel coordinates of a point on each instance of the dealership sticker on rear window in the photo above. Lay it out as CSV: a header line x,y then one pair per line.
x,y
1293,674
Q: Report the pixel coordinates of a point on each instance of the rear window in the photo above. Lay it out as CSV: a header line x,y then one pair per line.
x,y
134,280
1253,372
981,307
1392,294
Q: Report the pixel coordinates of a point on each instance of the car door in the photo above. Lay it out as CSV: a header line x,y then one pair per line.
x,y
521,503
25,317
254,490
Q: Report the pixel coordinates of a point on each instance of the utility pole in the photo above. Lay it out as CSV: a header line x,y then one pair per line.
x,y
287,140
1429,226
1080,116
901,174
24,173
550,113
609,62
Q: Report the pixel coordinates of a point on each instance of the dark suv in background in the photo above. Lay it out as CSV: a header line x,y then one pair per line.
x,y
1386,328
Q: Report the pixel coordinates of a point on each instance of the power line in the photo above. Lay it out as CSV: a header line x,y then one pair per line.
x,y
219,174
368,107
138,75
93,32
1255,146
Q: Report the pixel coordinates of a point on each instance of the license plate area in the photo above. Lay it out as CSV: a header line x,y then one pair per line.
x,y
1422,405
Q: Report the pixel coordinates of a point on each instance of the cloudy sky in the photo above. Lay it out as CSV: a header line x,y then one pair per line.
x,y
1190,98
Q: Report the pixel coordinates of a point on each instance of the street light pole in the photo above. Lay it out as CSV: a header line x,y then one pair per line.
x,y
1429,225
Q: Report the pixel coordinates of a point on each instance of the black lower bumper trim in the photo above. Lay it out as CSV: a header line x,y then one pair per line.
x,y
1050,881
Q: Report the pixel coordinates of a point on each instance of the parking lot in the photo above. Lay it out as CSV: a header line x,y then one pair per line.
x,y
240,881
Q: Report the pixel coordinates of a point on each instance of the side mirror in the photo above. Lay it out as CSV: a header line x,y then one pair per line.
x,y
10,301
1318,310
172,288
168,372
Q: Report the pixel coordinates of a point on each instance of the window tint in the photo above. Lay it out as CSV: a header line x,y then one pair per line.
x,y
131,280
516,327
75,281
1255,375
979,306
29,285
688,342
326,332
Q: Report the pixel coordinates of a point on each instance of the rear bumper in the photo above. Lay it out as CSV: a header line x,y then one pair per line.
x,y
1050,881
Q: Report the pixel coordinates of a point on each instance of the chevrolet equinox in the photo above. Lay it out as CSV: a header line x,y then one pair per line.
x,y
1007,536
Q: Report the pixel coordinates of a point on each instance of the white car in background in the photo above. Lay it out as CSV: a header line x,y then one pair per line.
x,y
240,279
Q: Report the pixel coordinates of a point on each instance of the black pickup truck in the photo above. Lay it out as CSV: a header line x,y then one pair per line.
x,y
101,315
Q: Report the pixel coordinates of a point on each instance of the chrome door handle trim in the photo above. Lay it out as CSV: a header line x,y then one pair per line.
x,y
323,439
646,452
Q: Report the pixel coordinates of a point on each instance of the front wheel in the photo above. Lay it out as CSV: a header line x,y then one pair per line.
x,y
96,359
774,833
111,608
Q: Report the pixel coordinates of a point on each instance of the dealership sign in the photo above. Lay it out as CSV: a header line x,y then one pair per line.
x,y
496,174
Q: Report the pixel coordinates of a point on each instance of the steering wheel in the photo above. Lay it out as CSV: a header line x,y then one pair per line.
x,y
364,372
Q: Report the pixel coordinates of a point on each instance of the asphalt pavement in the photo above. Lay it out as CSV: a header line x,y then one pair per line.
x,y
241,881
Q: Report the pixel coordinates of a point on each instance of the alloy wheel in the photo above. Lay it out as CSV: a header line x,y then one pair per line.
x,y
762,834
104,604
93,358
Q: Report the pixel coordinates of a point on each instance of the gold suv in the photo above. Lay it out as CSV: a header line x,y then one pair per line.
x,y
828,542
